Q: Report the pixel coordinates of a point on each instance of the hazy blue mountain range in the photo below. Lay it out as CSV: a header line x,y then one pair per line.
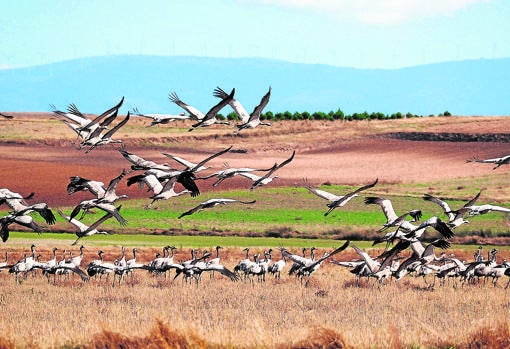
x,y
474,87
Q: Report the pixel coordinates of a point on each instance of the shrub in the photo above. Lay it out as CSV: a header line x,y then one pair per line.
x,y
339,114
486,337
267,116
6,344
161,336
278,116
319,116
232,116
323,338
332,115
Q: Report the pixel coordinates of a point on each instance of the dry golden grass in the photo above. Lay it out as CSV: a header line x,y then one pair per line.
x,y
45,128
161,337
332,312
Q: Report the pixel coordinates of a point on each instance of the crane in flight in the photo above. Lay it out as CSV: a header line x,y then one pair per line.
x,y
248,120
6,116
504,160
161,119
337,200
207,119
98,138
392,220
266,178
455,218
86,230
212,203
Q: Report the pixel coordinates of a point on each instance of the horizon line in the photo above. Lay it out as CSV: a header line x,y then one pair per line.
x,y
7,68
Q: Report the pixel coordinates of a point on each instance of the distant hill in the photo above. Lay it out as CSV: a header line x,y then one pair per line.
x,y
474,87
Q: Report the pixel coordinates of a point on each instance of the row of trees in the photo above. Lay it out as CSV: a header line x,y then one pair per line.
x,y
332,115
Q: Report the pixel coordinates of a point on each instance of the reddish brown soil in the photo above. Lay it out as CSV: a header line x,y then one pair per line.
x,y
340,153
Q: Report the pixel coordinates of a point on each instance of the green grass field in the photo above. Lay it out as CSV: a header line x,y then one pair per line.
x,y
179,241
268,222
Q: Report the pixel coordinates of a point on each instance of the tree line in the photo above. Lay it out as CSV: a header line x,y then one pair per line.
x,y
332,115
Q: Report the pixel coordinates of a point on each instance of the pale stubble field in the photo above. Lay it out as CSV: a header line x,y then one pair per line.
x,y
275,313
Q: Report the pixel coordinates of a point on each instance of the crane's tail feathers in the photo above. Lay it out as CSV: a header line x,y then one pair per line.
x,y
135,179
416,214
444,230
372,200
443,244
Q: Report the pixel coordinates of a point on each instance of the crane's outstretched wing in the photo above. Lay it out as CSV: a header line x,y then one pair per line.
x,y
275,168
99,118
263,102
234,103
194,112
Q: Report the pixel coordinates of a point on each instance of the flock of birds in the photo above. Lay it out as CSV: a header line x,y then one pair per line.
x,y
99,130
390,264
96,132
161,180
407,234
190,269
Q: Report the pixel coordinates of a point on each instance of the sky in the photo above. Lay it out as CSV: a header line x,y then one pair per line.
x,y
368,34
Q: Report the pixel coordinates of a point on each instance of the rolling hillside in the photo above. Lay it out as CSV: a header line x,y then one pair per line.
x,y
477,87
